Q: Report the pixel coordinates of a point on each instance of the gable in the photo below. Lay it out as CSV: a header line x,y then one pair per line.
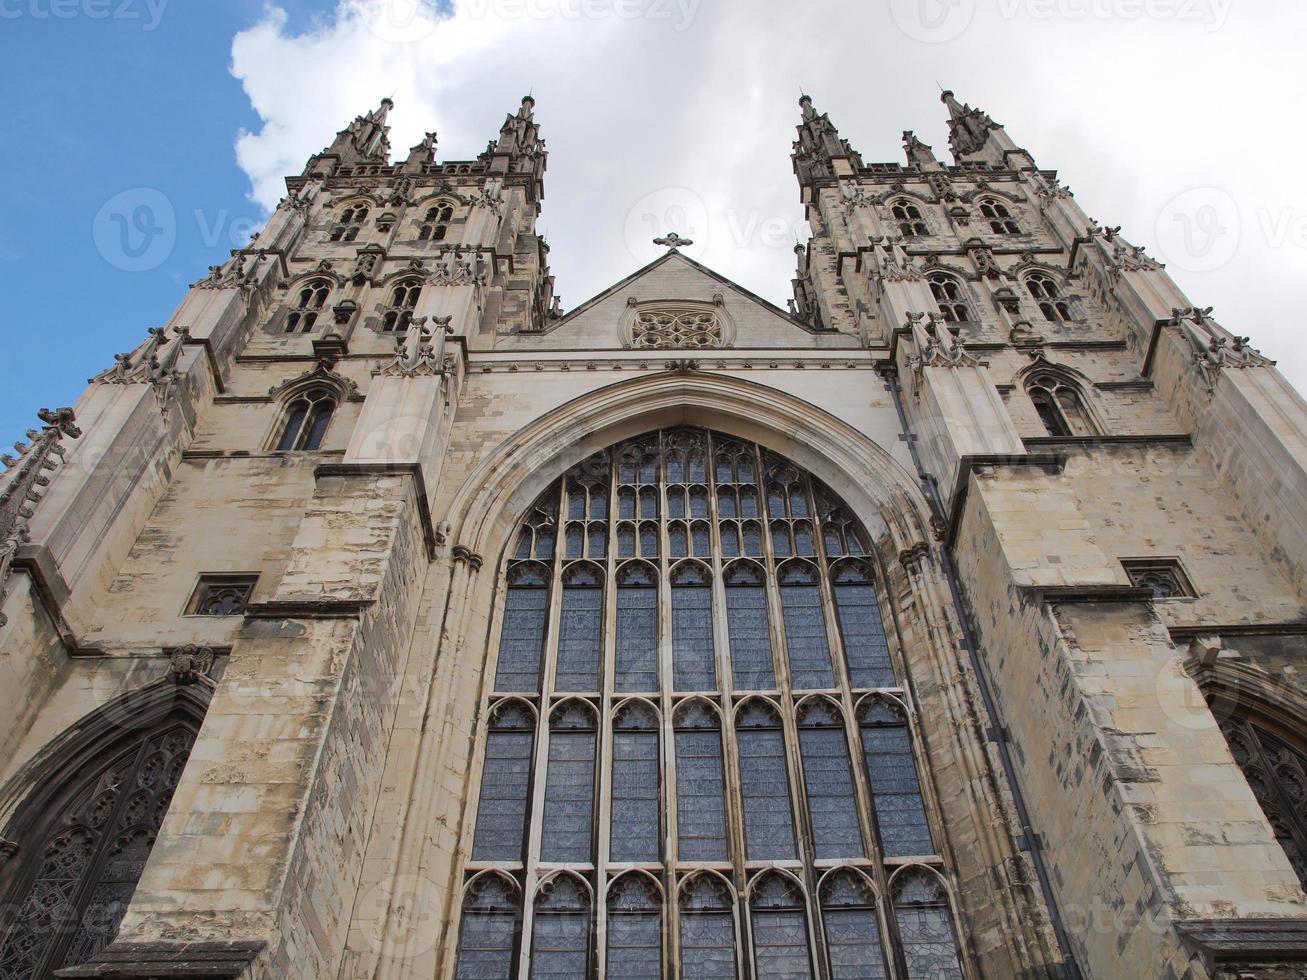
x,y
677,304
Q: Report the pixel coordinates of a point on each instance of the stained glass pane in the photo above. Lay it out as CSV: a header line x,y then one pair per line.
x,y
707,946
832,802
580,640
750,636
926,931
485,946
865,646
805,637
853,942
635,801
900,812
694,666
780,940
501,813
765,786
700,794
635,945
560,949
522,639
569,798
637,639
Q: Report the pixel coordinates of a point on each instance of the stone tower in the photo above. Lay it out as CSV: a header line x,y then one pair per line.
x,y
377,618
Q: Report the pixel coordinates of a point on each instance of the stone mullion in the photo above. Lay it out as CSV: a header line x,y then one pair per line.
x,y
604,742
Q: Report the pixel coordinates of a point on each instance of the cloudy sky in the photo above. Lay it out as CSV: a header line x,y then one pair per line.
x,y
1176,119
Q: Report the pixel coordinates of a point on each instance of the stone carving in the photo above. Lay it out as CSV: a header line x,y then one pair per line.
x,y
459,269
189,663
239,272
1214,347
154,362
322,372
670,328
25,481
417,353
673,242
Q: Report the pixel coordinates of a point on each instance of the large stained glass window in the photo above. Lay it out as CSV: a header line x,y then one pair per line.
x,y
698,755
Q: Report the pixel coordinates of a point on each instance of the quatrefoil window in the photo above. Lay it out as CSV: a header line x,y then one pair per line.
x,y
666,328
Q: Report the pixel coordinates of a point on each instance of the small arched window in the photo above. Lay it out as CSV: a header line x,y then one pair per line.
x,y
568,824
950,298
853,937
636,792
857,608
398,314
1059,404
909,218
828,780
350,223
694,657
522,636
435,224
925,924
491,911
780,929
999,217
635,928
307,417
748,627
1048,294
560,946
505,779
764,783
707,929
805,626
700,784
580,638
892,774
310,298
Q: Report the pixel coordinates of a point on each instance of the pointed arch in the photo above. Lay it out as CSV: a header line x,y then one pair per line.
x,y
563,909
1061,398
779,927
88,811
635,911
853,925
489,926
925,916
708,908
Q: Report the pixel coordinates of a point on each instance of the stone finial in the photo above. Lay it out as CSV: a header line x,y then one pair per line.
x,y
674,242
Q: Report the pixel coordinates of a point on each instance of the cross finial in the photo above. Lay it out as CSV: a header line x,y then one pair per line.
x,y
673,242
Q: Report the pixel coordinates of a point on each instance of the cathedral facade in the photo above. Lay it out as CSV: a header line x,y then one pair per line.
x,y
378,619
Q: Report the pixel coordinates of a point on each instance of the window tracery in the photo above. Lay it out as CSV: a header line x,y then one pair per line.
x,y
1045,291
310,299
350,223
670,606
435,224
398,314
308,415
1060,405
950,298
999,217
1276,770
909,219
668,328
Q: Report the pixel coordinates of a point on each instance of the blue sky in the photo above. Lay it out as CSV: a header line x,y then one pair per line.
x,y
1174,122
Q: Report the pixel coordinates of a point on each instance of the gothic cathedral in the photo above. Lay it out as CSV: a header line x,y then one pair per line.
x,y
379,619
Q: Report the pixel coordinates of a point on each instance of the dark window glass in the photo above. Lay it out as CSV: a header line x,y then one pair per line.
x,y
1276,770
828,778
637,635
896,793
569,788
750,634
635,930
707,931
765,785
505,784
560,947
485,941
294,422
780,932
694,666
700,786
580,637
926,929
853,939
522,637
805,631
865,647
636,800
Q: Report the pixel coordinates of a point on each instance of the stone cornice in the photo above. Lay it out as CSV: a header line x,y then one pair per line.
x,y
225,960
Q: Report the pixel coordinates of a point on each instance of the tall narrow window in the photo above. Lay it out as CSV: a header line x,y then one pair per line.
x,y
707,929
522,635
694,658
1059,405
828,780
1048,294
349,223
398,314
853,939
87,849
310,298
909,219
700,784
637,628
895,789
505,781
764,783
486,936
925,924
780,930
636,796
748,628
580,632
1276,770
435,224
949,298
999,217
568,834
307,417
560,946
805,627
866,651
635,929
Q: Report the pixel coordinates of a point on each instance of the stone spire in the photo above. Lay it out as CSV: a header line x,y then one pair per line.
x,y
819,146
365,140
519,149
969,130
919,154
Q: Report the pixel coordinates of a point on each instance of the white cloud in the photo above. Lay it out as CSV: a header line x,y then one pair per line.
x,y
683,111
